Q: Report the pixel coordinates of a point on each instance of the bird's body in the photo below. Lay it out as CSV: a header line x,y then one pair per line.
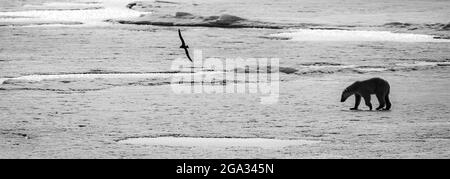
x,y
184,46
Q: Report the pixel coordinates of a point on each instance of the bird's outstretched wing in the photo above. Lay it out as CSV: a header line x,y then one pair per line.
x,y
181,38
187,54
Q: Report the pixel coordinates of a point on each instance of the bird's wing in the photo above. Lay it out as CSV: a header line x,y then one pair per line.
x,y
181,38
187,54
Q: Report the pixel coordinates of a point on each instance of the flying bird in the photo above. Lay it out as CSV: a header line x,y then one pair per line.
x,y
184,46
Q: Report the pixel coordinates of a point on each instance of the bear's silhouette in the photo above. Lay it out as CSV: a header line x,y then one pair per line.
x,y
364,89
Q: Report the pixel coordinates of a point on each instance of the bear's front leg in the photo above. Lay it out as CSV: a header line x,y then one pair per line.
x,y
357,101
367,100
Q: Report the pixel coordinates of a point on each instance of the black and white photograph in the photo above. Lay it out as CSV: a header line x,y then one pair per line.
x,y
224,79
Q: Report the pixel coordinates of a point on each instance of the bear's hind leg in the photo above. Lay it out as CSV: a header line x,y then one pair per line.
x,y
381,100
388,102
